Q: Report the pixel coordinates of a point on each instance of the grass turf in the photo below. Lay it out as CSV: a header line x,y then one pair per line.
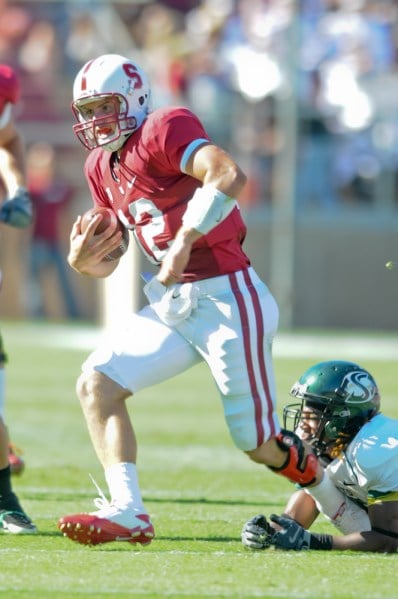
x,y
197,487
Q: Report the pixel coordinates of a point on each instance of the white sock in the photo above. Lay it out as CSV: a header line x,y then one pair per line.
x,y
2,392
123,485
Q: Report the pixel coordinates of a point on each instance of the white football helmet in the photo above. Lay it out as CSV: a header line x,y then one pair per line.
x,y
117,79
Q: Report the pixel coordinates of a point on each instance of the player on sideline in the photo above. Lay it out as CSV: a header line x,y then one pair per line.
x,y
167,181
15,211
339,414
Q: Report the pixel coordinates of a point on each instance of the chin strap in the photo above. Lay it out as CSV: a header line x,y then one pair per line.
x,y
298,467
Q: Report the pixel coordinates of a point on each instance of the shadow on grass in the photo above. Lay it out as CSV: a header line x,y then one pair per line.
x,y
113,546
194,538
205,501
56,496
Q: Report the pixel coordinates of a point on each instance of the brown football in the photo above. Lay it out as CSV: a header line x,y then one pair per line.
x,y
109,219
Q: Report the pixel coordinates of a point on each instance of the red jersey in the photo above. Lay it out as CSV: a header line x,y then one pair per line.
x,y
149,191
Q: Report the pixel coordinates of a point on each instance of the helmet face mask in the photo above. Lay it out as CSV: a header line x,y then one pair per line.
x,y
115,81
102,131
341,396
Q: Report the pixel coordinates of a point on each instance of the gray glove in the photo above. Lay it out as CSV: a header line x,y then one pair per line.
x,y
17,211
257,533
291,535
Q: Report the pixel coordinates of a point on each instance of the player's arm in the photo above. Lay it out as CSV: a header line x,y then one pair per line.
x,y
382,538
213,166
16,210
12,158
222,180
301,507
87,254
362,531
257,533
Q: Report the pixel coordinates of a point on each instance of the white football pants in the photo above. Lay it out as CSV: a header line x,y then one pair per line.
x,y
232,329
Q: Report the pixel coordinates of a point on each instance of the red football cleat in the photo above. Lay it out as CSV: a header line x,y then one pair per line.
x,y
17,464
94,529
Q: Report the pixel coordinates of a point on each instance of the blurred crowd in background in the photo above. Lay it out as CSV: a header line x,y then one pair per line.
x,y
233,62
314,79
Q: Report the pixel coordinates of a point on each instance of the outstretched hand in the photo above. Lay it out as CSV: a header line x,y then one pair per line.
x,y
282,533
257,533
290,535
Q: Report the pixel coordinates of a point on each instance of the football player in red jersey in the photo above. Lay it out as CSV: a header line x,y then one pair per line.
x,y
16,211
176,190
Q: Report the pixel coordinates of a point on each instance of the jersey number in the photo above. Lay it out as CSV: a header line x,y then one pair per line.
x,y
151,230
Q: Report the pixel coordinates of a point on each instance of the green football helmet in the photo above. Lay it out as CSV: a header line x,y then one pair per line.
x,y
344,397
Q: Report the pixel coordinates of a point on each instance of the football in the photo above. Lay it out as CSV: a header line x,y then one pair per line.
x,y
109,219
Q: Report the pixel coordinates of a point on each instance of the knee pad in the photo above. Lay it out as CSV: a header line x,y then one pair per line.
x,y
298,467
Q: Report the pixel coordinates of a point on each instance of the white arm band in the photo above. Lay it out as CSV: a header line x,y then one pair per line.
x,y
207,208
339,509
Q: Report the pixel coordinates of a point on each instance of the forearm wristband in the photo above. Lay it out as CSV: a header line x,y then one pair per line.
x,y
322,542
207,208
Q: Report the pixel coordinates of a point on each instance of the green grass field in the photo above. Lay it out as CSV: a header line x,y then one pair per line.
x,y
197,487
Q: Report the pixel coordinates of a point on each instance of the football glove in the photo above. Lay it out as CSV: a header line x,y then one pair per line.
x,y
17,211
293,536
257,533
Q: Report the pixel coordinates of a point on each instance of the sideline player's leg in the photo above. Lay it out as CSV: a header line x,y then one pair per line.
x,y
12,517
16,462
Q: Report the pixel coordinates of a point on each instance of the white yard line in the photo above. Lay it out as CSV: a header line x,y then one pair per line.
x,y
329,346
322,345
